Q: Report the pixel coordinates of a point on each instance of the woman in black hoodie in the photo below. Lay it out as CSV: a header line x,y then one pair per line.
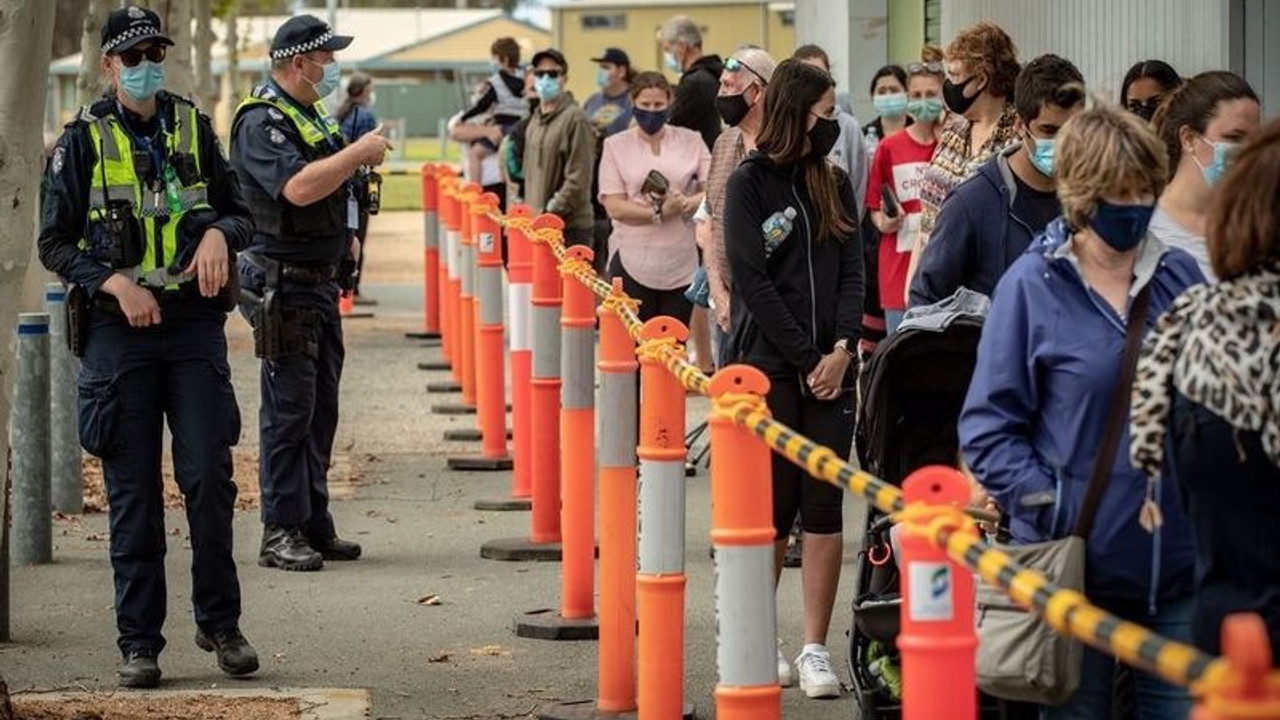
x,y
797,293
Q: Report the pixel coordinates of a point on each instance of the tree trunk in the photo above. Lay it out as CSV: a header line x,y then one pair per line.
x,y
234,91
206,83
175,18
89,84
26,40
6,710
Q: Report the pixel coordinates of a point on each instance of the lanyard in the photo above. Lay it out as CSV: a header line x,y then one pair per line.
x,y
156,146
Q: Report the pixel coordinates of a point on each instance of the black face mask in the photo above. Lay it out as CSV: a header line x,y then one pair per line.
x,y
955,98
823,136
732,108
1144,110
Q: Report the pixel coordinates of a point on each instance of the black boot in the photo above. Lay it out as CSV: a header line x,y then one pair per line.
x,y
139,671
287,549
236,656
335,548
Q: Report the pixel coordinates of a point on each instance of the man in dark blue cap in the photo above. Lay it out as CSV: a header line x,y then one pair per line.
x,y
609,111
139,214
299,179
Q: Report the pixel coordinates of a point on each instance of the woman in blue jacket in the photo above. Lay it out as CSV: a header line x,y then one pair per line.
x,y
1048,364
796,261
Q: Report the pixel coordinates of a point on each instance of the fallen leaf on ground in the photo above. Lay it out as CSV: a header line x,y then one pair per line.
x,y
496,650
439,658
431,599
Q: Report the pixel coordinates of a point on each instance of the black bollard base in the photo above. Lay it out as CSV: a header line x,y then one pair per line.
x,y
444,386
434,366
547,624
506,505
520,549
453,409
357,315
586,710
423,336
480,463
467,435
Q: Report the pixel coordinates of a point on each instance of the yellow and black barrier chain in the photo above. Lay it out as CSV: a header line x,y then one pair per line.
x,y
1067,611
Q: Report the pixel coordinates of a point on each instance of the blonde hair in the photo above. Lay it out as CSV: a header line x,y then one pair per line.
x,y
1105,150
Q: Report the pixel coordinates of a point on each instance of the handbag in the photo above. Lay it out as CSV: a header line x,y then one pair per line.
x,y
1020,657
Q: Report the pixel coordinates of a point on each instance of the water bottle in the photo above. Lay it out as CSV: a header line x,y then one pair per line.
x,y
777,228
872,141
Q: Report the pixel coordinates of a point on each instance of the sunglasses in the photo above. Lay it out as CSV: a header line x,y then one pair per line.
x,y
916,68
734,65
546,73
133,56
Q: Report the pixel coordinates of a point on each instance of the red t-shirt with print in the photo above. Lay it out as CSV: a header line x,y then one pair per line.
x,y
899,160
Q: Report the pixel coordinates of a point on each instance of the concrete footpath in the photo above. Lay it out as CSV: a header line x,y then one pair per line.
x,y
360,625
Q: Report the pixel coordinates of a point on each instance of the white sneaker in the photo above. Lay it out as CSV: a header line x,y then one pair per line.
x,y
786,678
817,680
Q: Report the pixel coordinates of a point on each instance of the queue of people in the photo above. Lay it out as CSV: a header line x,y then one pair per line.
x,y
1088,224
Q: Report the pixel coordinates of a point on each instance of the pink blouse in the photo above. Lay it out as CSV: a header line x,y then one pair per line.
x,y
662,257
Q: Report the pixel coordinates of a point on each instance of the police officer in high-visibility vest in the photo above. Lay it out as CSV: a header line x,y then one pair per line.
x,y
299,180
140,216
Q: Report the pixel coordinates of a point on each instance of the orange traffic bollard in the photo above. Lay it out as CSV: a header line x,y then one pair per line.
x,y
520,282
466,297
543,542
937,641
1251,689
742,533
576,619
489,373
660,579
618,440
430,256
451,247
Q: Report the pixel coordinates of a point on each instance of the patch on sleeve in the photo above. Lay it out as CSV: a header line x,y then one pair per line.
x,y
274,114
277,137
59,159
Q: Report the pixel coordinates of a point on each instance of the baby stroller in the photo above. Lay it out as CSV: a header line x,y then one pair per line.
x,y
912,392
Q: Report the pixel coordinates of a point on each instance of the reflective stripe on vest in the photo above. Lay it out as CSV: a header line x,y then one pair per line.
x,y
114,178
311,132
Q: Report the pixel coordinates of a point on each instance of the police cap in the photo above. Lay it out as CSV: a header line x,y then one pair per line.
x,y
306,33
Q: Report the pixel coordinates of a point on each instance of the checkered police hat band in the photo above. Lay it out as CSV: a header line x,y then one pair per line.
x,y
300,48
143,31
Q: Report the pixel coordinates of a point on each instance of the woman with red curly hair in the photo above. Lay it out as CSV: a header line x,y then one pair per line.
x,y
982,66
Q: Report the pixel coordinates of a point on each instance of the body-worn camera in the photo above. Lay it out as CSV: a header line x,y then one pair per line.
x,y
115,238
374,192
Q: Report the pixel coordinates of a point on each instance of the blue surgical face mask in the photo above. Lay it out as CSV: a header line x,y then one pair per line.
x,y
547,87
602,78
672,62
142,81
1217,167
1121,226
329,82
891,106
1042,151
926,110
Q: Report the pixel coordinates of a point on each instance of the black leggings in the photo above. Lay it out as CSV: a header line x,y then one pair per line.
x,y
826,422
653,303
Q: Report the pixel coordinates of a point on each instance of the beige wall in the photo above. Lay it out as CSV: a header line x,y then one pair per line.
x,y
472,44
724,28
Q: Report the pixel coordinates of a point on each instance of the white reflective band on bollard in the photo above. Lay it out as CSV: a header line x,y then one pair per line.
x,y
520,311
431,228
578,370
546,342
618,421
489,293
745,622
467,269
453,252
660,519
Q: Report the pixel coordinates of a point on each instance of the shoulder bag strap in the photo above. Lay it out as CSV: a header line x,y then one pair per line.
x,y
1117,414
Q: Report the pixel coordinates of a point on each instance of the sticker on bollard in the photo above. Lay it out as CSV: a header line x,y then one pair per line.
x,y
547,624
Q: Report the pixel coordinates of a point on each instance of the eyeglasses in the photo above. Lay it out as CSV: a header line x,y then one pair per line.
x,y
734,65
133,56
553,74
935,68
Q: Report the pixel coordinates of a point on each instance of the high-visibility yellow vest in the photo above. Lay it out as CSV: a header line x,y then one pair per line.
x,y
115,178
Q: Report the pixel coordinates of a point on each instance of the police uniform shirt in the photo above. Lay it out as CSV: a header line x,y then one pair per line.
x,y
266,149
67,182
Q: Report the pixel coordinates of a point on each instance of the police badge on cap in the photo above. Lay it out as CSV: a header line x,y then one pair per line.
x,y
129,26
303,34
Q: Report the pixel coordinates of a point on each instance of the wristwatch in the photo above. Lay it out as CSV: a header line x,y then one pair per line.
x,y
843,344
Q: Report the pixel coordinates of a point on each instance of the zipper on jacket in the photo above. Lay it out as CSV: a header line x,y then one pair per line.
x,y
813,293
1156,543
